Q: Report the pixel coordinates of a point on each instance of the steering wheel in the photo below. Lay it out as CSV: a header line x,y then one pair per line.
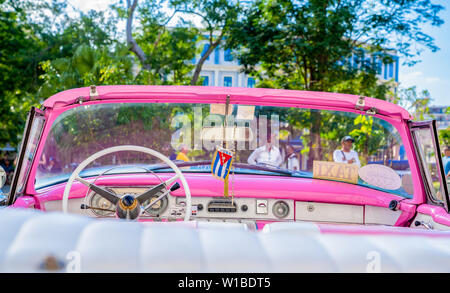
x,y
129,206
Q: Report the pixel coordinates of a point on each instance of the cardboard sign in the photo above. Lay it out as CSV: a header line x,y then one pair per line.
x,y
380,176
215,133
335,171
219,109
245,112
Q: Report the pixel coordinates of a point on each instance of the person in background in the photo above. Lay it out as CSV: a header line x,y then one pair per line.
x,y
42,162
346,154
182,154
267,154
291,160
53,165
9,169
446,160
173,156
2,158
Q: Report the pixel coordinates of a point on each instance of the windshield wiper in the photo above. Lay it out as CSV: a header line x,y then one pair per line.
x,y
238,165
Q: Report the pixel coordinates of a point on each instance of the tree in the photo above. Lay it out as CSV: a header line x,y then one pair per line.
x,y
158,47
444,138
163,53
87,66
18,72
32,32
83,52
217,17
418,104
304,45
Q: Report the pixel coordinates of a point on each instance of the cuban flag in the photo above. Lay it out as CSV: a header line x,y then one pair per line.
x,y
221,163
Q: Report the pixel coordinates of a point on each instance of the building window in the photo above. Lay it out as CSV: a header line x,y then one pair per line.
x,y
250,82
216,55
378,65
228,56
205,80
228,81
205,49
356,61
391,70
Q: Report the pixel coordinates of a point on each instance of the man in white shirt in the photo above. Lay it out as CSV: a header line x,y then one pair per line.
x,y
292,162
267,154
346,154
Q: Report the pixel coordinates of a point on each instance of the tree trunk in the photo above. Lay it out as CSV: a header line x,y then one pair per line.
x,y
198,67
133,45
315,144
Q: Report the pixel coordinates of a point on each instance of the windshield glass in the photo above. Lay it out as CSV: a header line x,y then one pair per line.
x,y
287,139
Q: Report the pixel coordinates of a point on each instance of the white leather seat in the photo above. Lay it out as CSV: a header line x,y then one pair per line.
x,y
107,245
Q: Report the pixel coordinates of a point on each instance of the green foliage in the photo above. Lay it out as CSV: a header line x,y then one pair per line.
x,y
285,44
169,54
365,84
303,45
368,137
418,104
17,73
444,137
87,66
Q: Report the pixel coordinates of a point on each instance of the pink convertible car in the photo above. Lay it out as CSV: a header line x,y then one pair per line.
x,y
210,179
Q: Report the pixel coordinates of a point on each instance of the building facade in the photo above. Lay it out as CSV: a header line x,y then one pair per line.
x,y
441,114
221,68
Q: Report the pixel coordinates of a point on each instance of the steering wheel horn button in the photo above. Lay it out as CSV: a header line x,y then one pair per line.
x,y
128,202
128,208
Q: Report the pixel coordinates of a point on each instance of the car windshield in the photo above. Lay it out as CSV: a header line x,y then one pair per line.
x,y
265,140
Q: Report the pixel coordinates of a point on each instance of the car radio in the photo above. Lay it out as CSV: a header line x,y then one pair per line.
x,y
222,206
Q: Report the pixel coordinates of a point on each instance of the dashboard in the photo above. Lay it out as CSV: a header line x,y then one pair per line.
x,y
248,210
173,207
254,202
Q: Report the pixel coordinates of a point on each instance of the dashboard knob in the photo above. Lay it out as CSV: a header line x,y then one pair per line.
x,y
280,209
175,186
199,207
393,205
244,208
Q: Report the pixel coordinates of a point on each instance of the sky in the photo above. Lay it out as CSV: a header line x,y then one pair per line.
x,y
432,73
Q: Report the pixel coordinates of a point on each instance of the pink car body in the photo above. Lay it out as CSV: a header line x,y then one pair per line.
x,y
204,185
332,226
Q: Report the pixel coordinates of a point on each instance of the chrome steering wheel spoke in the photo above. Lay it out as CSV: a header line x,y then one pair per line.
x,y
143,197
109,196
